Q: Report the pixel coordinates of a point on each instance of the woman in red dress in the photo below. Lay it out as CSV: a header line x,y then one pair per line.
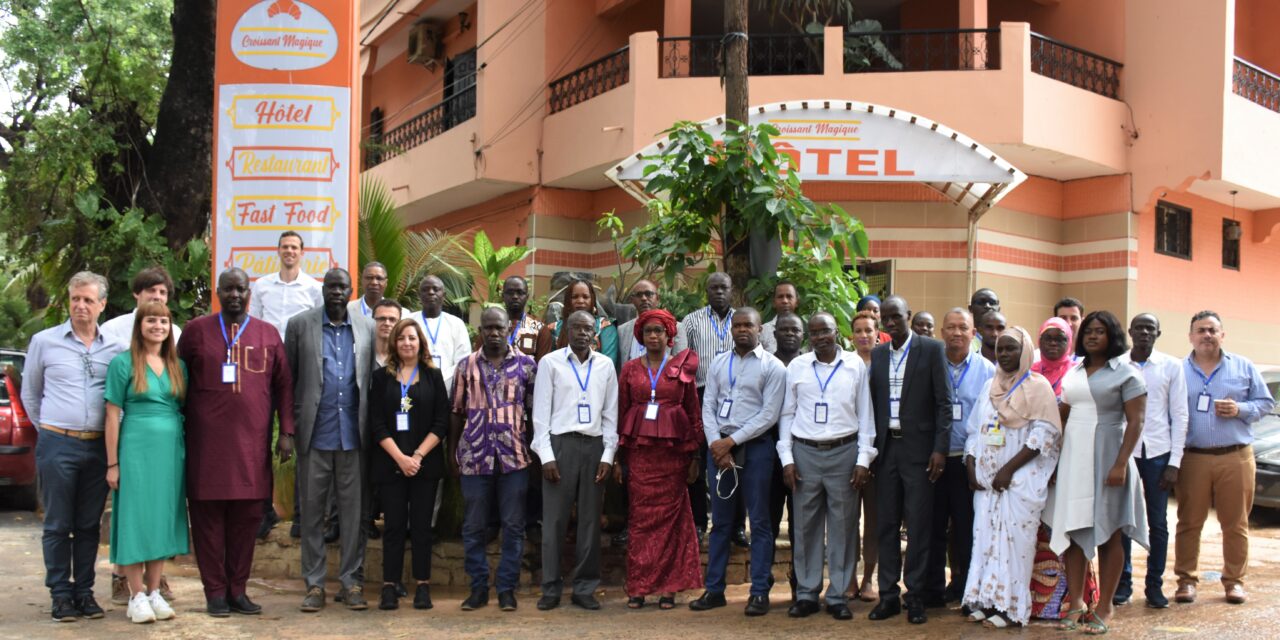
x,y
659,432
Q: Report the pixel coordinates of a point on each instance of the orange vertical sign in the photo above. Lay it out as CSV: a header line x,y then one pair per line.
x,y
285,133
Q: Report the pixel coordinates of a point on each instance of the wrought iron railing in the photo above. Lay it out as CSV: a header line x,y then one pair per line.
x,y
1075,66
591,80
451,112
790,54
1256,85
921,50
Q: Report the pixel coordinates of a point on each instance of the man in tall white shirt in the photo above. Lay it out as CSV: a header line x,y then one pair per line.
x,y
447,337
575,434
276,297
826,443
1159,452
152,284
373,286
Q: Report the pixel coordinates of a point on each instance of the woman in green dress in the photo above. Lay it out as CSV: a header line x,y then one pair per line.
x,y
146,458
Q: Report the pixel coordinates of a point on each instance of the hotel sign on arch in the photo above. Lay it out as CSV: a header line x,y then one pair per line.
x,y
285,131
845,141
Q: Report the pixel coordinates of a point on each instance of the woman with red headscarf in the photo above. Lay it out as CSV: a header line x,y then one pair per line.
x,y
659,433
1056,346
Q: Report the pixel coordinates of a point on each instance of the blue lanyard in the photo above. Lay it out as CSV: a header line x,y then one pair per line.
x,y
568,354
1017,384
222,324
653,378
721,330
822,386
364,308
511,339
955,384
733,380
1193,368
904,356
404,388
427,326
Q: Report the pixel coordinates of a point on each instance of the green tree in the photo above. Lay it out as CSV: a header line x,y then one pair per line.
x,y
493,262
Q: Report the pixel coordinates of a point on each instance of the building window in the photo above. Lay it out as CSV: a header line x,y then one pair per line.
x,y
1231,233
1173,230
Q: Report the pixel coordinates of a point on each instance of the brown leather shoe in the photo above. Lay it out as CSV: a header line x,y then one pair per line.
x,y
1186,593
1236,594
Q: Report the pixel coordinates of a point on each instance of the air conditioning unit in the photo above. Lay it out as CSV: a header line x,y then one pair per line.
x,y
426,44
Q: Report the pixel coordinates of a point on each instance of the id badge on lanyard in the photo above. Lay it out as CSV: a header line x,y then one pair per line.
x,y
894,404
584,413
994,436
726,407
820,413
1203,402
957,411
402,421
228,373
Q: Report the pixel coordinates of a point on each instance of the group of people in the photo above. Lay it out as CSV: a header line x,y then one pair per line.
x,y
1012,459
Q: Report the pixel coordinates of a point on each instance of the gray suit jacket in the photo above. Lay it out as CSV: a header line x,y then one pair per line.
x,y
304,346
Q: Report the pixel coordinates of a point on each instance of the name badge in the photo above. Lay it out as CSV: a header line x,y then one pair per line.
x,y
957,411
995,437
527,342
893,408
1202,403
726,407
228,373
584,414
402,421
439,362
651,411
820,413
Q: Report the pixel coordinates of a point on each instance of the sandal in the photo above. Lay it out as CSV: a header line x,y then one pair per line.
x,y
667,602
1093,626
635,602
1070,623
978,615
1000,620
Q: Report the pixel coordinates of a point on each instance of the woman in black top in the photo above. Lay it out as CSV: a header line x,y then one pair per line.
x,y
408,418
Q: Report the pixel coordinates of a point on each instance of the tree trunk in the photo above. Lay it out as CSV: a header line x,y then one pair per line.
x,y
737,252
179,170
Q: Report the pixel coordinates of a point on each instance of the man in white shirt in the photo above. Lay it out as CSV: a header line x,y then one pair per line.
x,y
279,296
447,337
826,444
575,434
785,302
373,285
1159,452
152,284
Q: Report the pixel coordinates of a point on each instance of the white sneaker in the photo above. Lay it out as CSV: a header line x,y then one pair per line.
x,y
161,608
140,610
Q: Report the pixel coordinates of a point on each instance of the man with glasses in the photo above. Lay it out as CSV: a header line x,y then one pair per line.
x,y
373,285
644,297
64,385
386,313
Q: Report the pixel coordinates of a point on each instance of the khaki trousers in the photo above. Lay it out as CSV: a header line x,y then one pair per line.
x,y
1226,483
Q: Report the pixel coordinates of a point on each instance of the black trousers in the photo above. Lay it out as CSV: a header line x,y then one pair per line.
x,y
903,492
952,531
407,505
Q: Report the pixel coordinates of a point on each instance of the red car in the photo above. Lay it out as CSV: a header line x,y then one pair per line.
x,y
17,434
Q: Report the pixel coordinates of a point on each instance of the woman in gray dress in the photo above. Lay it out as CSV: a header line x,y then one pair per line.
x,y
1097,497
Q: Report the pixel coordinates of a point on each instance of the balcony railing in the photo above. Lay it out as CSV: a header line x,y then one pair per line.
x,y
922,50
591,80
791,54
450,113
1256,85
1074,66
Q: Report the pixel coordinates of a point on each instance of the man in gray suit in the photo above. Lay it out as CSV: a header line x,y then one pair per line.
x,y
644,296
330,351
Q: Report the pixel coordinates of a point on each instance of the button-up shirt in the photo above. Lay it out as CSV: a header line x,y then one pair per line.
x,y
1164,428
120,330
756,384
336,418
494,403
967,381
1235,378
708,336
847,399
275,300
558,391
361,307
63,382
897,372
447,340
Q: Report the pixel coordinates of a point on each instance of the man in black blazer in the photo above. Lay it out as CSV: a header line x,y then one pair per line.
x,y
912,401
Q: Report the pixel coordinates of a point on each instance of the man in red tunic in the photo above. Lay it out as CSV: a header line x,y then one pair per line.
x,y
239,379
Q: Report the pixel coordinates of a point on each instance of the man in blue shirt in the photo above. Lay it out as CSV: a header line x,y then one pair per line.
x,y
64,384
1225,396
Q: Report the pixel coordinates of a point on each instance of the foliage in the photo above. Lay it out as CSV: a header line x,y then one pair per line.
x,y
681,302
862,46
493,262
380,231
17,322
611,223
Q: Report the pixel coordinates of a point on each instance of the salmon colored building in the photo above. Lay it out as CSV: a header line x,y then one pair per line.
x,y
1148,131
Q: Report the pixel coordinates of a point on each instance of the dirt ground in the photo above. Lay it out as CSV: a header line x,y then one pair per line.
x,y
24,613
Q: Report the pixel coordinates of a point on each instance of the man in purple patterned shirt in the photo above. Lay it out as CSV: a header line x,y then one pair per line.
x,y
492,393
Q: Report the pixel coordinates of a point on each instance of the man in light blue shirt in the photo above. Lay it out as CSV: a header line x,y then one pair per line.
x,y
64,384
1225,396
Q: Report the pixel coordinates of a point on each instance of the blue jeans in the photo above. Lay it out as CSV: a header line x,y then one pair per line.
x,y
753,486
1150,470
479,493
73,485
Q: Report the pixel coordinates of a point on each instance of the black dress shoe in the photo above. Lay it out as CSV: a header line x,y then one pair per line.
x,y
840,611
422,597
507,600
915,612
740,537
88,607
587,602
295,530
757,605
332,534
243,605
478,598
547,603
389,601
64,611
218,608
707,601
371,530
803,608
885,609
269,521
